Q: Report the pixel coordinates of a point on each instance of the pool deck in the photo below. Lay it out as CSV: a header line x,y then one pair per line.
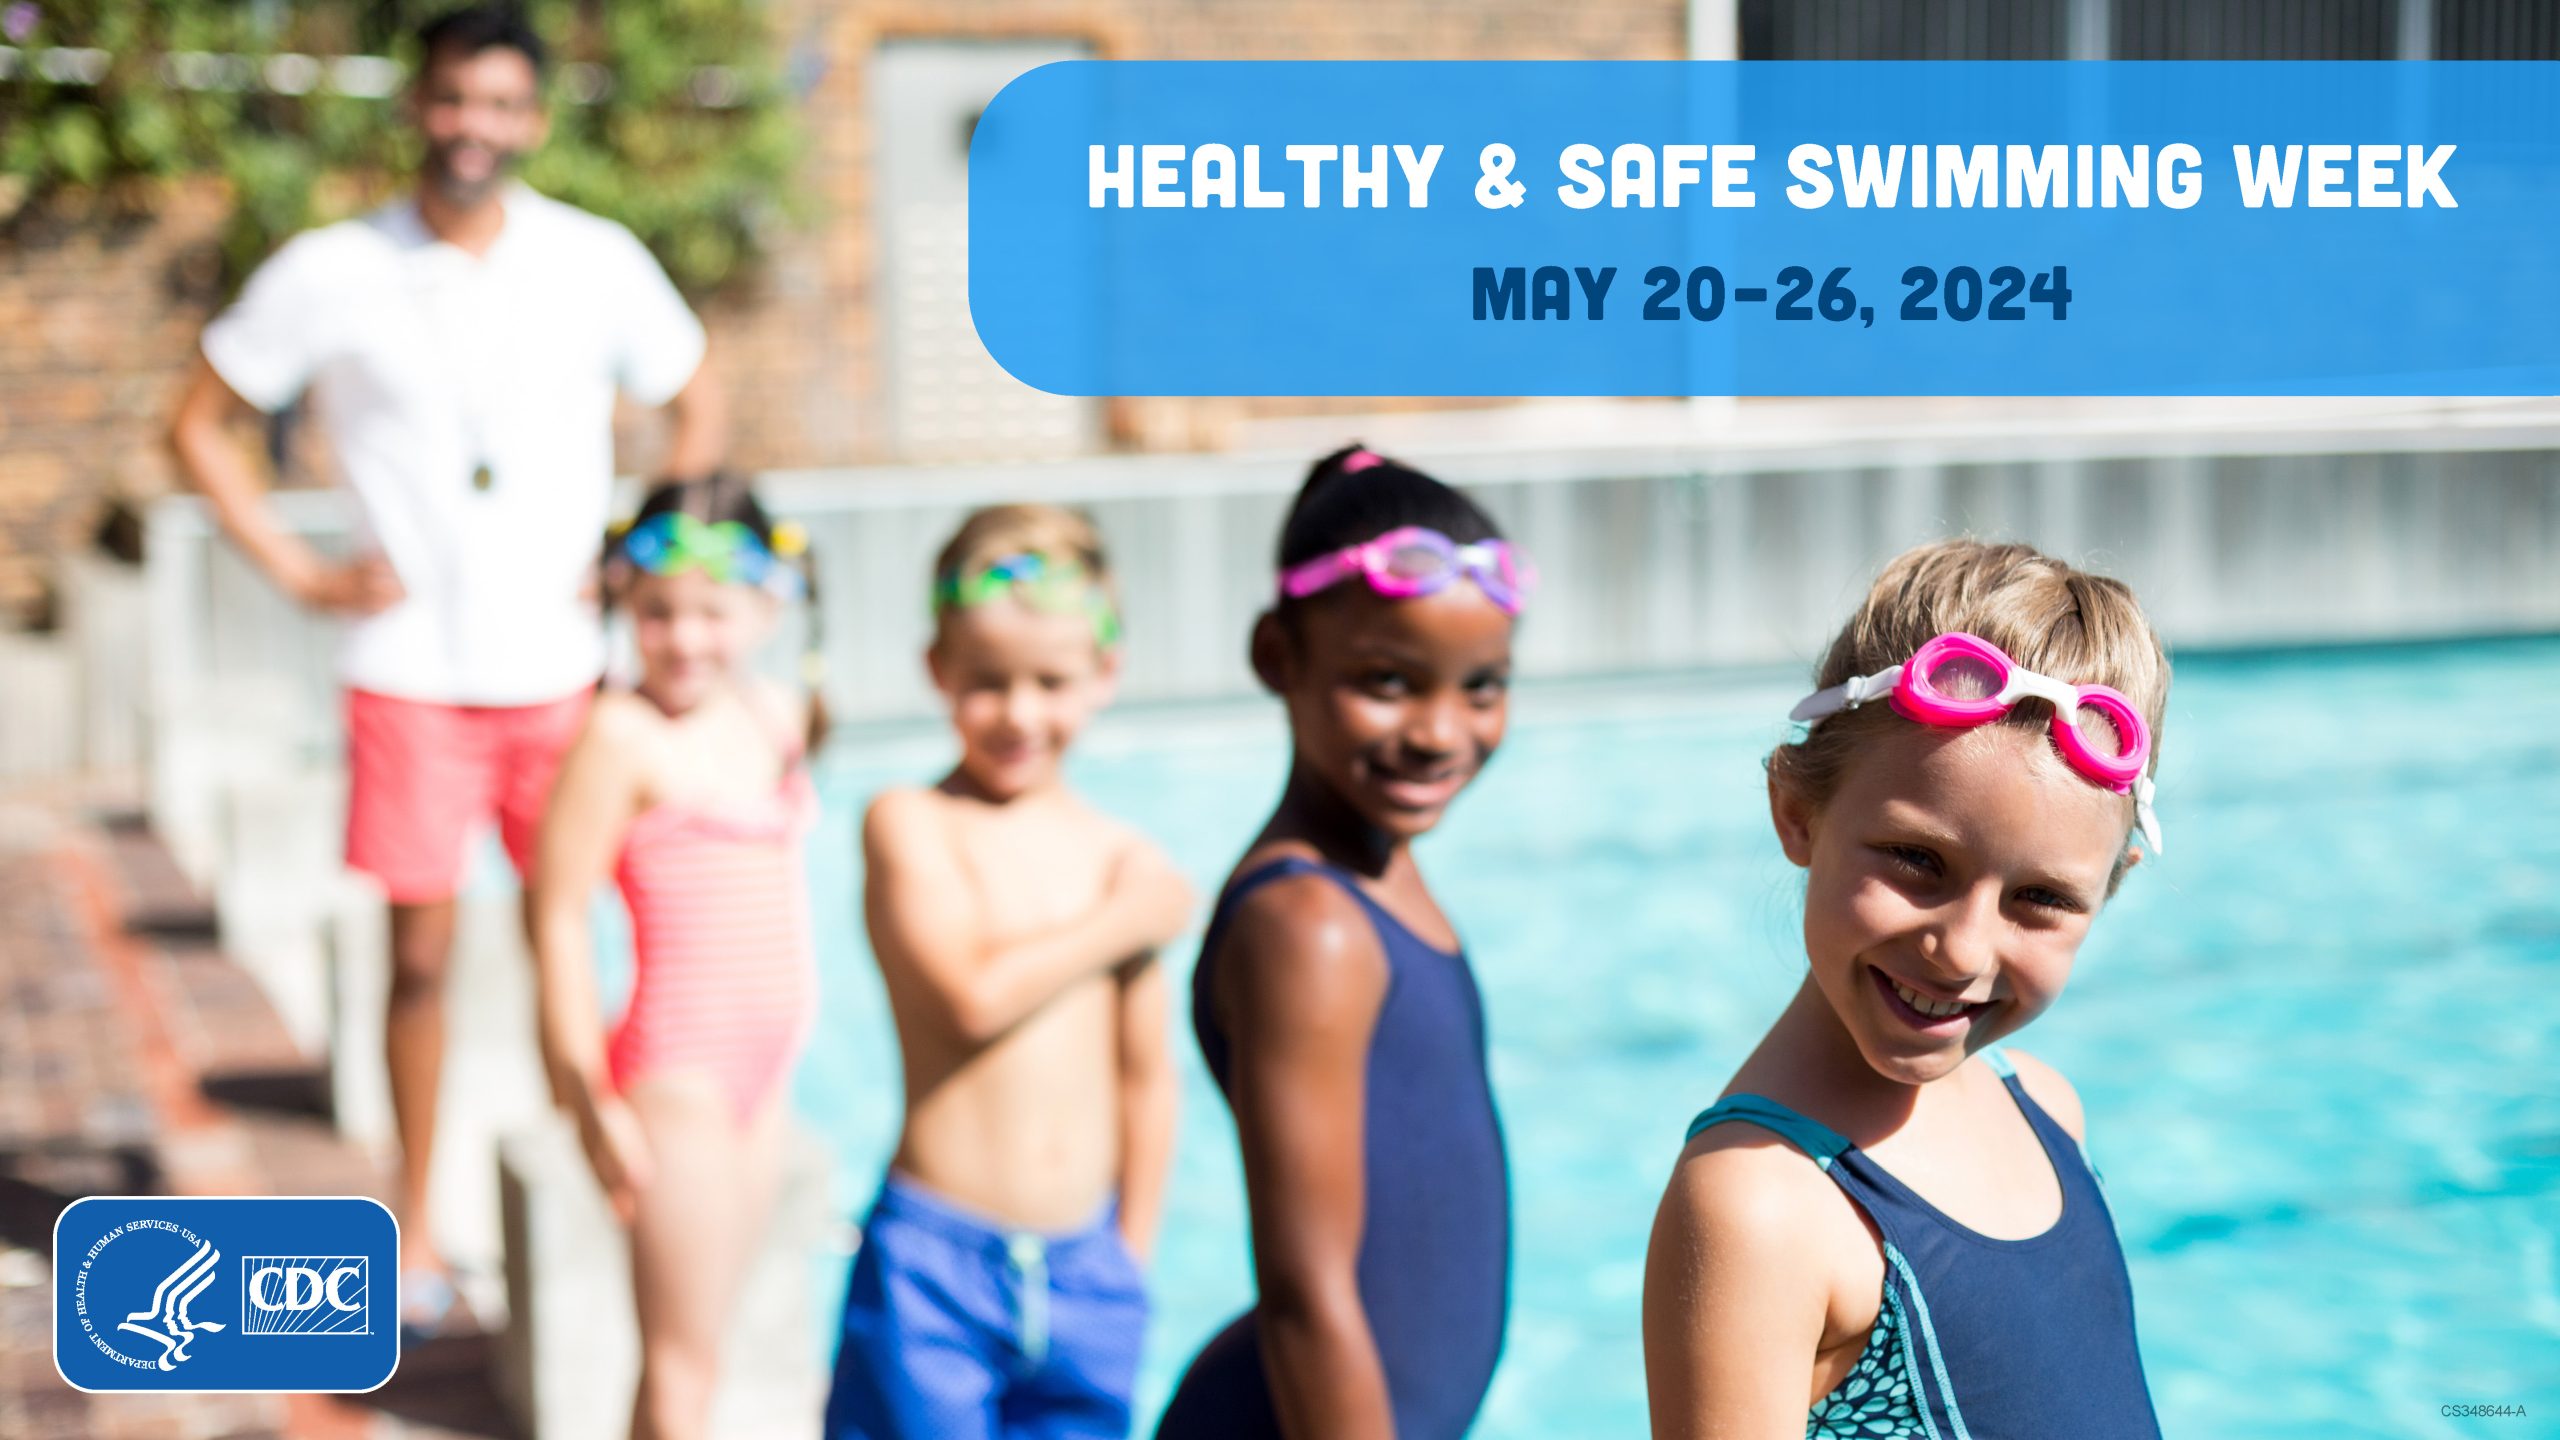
x,y
135,1057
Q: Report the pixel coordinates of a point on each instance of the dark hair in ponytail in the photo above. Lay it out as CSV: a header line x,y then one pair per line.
x,y
1356,494
727,495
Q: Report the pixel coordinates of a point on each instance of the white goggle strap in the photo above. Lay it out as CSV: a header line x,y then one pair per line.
x,y
1846,695
2146,820
2024,683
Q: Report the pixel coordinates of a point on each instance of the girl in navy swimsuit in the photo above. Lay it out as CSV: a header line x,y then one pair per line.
x,y
1332,1002
1886,1227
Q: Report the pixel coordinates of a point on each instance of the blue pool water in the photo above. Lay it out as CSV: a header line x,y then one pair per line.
x,y
2317,1043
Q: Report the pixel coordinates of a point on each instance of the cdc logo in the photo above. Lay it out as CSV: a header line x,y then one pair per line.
x,y
172,1294
304,1295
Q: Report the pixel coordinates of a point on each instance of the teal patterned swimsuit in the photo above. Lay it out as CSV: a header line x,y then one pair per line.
x,y
1874,1403
1977,1338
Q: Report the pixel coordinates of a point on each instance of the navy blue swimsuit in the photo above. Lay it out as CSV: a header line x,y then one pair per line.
x,y
1435,1248
1976,1338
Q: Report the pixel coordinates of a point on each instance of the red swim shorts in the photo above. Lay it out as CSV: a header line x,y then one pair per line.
x,y
422,774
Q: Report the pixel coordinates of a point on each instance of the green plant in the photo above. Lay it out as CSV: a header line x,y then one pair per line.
x,y
84,103
669,116
692,142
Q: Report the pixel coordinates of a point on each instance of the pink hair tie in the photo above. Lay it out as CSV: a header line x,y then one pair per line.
x,y
1361,459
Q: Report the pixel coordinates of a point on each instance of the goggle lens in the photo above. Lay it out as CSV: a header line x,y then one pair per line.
x,y
2101,732
1960,676
1417,563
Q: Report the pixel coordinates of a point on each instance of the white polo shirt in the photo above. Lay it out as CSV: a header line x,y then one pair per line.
x,y
425,362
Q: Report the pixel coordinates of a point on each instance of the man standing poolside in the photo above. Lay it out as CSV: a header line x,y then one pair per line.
x,y
462,348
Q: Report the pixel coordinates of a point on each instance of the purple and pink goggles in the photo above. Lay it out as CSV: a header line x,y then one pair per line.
x,y
1965,680
1412,560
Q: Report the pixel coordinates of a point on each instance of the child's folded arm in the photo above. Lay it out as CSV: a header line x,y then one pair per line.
x,y
1304,965
1734,1298
922,914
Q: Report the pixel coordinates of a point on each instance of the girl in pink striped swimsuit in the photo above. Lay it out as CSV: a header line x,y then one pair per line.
x,y
691,791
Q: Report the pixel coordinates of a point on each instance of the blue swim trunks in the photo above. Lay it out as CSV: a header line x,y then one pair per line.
x,y
959,1328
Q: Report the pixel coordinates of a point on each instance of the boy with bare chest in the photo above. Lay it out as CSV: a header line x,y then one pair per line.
x,y
998,1290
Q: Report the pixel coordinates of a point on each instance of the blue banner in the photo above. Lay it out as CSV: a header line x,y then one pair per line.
x,y
189,1294
1665,228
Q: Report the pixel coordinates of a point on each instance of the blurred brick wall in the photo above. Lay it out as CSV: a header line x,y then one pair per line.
x,y
804,353
98,318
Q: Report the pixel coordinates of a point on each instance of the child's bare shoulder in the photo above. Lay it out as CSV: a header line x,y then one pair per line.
x,y
1754,1231
1303,937
621,719
904,818
1747,1208
1747,1184
2050,1091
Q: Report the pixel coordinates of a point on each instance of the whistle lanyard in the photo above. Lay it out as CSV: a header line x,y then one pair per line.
x,y
466,382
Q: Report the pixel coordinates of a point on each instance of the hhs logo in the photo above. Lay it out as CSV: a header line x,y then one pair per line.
x,y
183,1295
304,1295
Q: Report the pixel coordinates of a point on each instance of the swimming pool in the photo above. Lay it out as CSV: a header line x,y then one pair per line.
x,y
2317,1043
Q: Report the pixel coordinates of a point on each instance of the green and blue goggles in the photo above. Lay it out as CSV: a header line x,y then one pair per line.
x,y
1046,583
728,551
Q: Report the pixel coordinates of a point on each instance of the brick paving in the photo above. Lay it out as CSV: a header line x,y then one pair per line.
x,y
136,1058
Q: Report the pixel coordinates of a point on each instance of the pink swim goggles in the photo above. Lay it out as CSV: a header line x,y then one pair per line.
x,y
1964,680
1412,560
